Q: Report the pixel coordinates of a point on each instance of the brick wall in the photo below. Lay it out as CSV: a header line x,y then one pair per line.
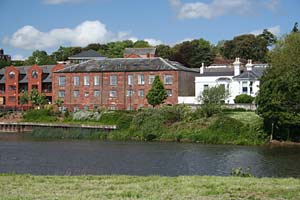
x,y
122,100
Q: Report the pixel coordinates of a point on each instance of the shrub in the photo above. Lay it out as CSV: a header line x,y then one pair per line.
x,y
40,115
243,98
86,115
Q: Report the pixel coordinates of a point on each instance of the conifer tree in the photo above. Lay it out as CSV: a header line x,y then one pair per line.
x,y
157,94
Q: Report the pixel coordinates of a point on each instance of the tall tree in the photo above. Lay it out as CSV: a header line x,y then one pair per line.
x,y
141,44
278,99
163,51
193,53
157,94
40,58
295,28
36,98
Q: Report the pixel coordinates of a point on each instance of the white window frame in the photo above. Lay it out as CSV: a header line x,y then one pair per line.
x,y
61,81
141,79
96,93
96,80
168,79
169,92
151,79
76,80
61,93
141,93
113,93
130,79
86,80
130,93
113,80
76,92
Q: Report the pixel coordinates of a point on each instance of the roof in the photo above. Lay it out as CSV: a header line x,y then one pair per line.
x,y
221,71
139,51
87,54
255,73
126,64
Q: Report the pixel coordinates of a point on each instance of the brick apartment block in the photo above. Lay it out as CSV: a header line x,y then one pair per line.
x,y
120,83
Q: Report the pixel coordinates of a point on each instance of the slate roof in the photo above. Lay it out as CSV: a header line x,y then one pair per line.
x,y
221,71
126,64
87,54
139,51
256,73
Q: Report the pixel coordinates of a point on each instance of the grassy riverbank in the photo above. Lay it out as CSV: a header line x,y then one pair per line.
x,y
168,123
149,187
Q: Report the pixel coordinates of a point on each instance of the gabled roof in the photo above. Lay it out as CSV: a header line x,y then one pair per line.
x,y
139,51
87,54
255,73
125,65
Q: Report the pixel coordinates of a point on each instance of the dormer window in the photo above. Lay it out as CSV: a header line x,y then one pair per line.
x,y
11,74
34,74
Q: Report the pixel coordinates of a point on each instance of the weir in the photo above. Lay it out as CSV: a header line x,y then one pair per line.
x,y
19,127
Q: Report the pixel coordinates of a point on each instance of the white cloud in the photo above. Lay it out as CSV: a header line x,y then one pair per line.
x,y
55,2
18,57
272,5
211,10
153,42
275,30
29,37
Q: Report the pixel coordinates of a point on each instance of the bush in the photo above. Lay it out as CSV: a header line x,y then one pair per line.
x,y
86,115
244,98
41,115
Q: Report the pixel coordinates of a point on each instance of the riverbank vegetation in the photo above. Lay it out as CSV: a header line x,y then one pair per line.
x,y
178,123
146,187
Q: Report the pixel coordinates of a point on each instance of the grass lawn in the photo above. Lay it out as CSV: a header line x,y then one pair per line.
x,y
146,187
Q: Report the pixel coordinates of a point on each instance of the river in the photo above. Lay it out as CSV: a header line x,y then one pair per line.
x,y
73,157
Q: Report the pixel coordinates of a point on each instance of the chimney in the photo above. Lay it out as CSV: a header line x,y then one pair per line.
x,y
249,65
202,69
237,65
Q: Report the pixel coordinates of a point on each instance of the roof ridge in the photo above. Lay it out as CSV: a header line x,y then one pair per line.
x,y
167,63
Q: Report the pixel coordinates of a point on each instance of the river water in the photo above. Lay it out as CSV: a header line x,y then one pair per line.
x,y
140,158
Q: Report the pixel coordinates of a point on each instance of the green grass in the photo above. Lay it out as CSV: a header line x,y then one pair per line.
x,y
146,187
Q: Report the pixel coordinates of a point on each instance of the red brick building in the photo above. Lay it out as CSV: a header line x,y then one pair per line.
x,y
15,80
120,83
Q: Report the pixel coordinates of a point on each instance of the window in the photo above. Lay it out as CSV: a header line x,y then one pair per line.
x,y
86,94
61,93
205,87
86,80
169,92
244,87
129,93
141,80
76,93
61,81
141,93
113,80
76,80
12,87
96,93
130,79
96,80
12,99
11,74
113,93
168,79
151,79
86,107
75,109
112,107
34,74
251,87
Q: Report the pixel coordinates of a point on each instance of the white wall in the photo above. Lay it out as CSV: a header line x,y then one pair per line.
x,y
187,100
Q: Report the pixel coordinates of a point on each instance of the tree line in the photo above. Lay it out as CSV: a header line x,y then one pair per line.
x,y
189,53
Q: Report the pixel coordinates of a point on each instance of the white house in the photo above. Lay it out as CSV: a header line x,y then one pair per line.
x,y
236,78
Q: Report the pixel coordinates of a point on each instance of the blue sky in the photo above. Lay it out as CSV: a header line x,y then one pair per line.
x,y
47,24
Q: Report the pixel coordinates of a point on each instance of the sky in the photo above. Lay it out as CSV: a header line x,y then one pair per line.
x,y
47,24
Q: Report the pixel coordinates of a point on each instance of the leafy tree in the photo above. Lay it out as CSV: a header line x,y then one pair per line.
x,y
212,99
4,63
62,54
295,28
278,99
24,98
116,49
93,46
36,98
157,94
40,58
249,46
141,44
193,53
163,51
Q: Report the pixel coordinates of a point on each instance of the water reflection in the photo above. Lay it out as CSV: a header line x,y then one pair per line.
x,y
136,158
